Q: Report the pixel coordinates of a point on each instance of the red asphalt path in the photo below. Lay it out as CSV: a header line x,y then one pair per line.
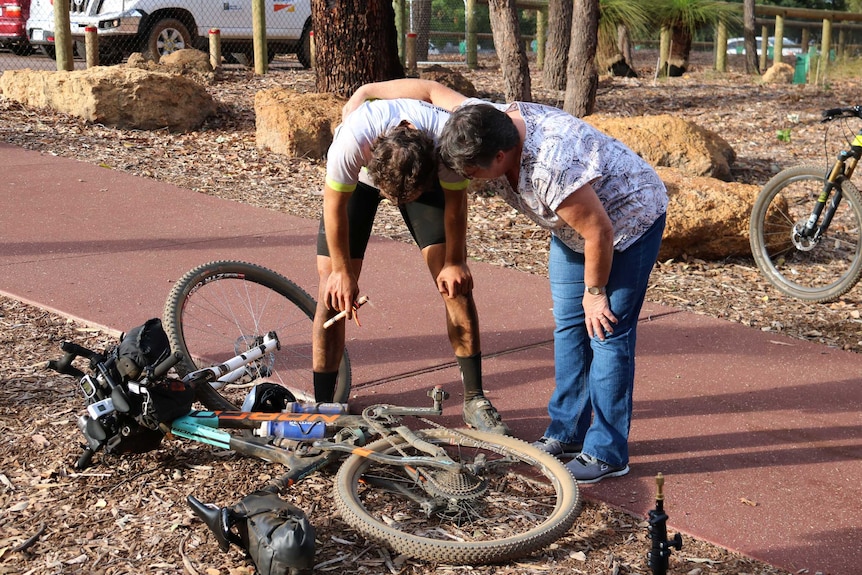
x,y
759,436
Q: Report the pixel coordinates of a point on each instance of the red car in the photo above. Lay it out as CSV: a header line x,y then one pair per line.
x,y
13,26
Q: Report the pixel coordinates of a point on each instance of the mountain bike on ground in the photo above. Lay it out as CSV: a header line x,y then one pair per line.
x,y
806,225
455,496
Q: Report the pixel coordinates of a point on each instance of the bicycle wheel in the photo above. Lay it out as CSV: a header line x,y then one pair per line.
x,y
820,270
508,500
220,309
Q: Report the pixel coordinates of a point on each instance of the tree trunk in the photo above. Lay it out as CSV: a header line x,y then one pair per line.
x,y
680,50
557,49
346,28
752,66
583,80
513,58
420,20
624,43
614,54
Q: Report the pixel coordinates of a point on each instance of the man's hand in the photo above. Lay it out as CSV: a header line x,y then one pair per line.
x,y
455,280
599,317
342,290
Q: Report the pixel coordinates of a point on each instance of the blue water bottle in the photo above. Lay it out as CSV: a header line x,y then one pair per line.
x,y
295,430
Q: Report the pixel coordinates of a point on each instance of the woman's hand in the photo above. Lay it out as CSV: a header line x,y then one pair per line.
x,y
598,315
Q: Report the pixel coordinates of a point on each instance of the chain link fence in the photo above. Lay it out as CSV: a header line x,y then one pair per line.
x,y
153,28
162,26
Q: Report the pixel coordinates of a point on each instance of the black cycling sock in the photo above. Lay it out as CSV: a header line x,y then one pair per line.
x,y
471,375
324,386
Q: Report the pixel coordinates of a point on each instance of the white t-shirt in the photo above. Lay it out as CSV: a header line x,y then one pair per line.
x,y
563,153
350,151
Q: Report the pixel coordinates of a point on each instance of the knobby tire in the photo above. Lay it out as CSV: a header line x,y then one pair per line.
x,y
531,500
219,309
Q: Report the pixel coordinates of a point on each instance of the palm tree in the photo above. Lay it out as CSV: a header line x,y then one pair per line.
x,y
618,20
681,19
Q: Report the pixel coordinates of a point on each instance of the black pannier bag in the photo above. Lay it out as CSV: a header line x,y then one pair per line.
x,y
276,535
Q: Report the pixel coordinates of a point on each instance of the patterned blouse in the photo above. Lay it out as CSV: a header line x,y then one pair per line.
x,y
563,153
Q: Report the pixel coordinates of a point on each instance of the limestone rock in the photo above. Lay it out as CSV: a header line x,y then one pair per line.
x,y
706,218
779,73
119,96
669,141
295,124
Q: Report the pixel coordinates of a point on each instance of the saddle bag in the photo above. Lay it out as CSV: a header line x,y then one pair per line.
x,y
276,534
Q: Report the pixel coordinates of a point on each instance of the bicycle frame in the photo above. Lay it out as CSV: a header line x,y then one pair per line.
x,y
842,169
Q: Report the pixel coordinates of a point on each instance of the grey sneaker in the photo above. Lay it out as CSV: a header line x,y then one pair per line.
x,y
557,447
480,414
588,469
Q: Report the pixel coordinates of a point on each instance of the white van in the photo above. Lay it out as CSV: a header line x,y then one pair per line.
x,y
788,47
40,26
164,26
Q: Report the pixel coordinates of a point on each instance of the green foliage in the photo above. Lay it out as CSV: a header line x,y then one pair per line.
x,y
783,135
633,14
692,15
450,15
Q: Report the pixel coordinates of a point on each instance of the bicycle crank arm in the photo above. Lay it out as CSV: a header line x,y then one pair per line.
x,y
425,503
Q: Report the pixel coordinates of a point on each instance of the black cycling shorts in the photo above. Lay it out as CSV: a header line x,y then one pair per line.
x,y
423,216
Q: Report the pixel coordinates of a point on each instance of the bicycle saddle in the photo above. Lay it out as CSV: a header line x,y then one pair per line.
x,y
218,519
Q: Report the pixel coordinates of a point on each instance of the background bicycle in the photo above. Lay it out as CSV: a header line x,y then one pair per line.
x,y
806,224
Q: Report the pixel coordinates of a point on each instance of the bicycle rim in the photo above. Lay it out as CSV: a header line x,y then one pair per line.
x,y
821,271
529,499
222,308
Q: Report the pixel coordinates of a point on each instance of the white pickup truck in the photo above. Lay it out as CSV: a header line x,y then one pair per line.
x,y
164,26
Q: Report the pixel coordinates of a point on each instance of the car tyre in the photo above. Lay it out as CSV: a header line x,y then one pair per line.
x,y
167,36
303,50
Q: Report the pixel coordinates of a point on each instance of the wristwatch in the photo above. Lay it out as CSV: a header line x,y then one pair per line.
x,y
594,290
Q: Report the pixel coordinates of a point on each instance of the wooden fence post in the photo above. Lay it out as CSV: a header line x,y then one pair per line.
x,y
215,48
91,46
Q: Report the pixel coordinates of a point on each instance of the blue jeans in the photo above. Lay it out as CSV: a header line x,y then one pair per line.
x,y
592,400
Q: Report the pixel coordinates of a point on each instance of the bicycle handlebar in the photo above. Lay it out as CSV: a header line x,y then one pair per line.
x,y
835,113
161,369
73,350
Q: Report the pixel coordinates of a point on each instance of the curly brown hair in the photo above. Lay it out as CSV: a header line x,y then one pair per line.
x,y
403,164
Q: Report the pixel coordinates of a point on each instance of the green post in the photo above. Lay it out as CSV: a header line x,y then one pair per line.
x,y
825,46
258,20
779,39
470,23
541,36
400,19
63,35
721,46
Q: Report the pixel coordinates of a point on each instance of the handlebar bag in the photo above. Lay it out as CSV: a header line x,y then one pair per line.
x,y
142,347
276,534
